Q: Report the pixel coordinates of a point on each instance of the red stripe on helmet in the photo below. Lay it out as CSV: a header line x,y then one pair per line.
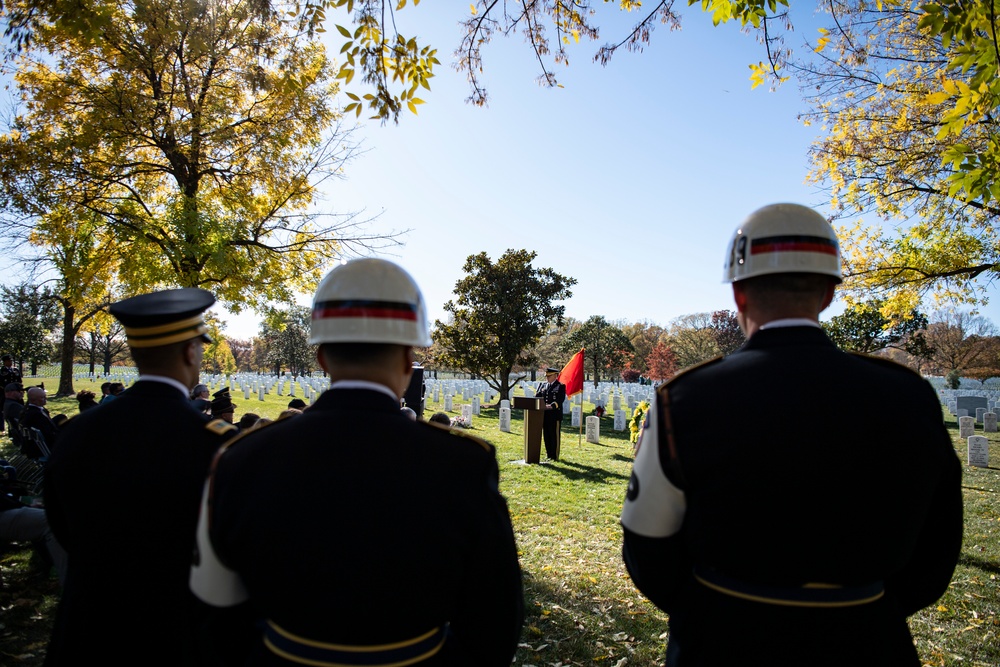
x,y
374,313
793,246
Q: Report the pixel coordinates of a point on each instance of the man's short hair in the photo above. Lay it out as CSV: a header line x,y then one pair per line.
x,y
778,291
358,354
794,283
155,356
297,404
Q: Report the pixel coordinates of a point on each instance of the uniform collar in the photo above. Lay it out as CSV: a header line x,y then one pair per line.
x,y
165,380
790,322
364,384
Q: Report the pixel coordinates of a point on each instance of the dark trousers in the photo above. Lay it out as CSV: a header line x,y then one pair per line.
x,y
550,435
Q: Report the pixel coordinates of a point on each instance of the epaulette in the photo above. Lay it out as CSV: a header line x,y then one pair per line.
x,y
220,426
461,434
882,361
691,369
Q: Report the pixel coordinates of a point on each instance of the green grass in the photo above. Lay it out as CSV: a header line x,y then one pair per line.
x,y
581,607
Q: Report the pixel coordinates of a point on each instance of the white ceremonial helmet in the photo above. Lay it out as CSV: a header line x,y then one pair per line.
x,y
369,301
783,238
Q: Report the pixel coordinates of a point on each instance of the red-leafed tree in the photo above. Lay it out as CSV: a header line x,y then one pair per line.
x,y
661,364
726,331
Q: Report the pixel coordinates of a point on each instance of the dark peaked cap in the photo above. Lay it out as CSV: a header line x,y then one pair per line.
x,y
162,318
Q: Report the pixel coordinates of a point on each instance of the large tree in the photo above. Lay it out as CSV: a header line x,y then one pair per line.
x,y
865,328
501,312
28,315
194,134
884,85
607,348
692,339
960,341
284,334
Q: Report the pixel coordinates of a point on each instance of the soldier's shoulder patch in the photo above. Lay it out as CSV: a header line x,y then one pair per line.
x,y
221,427
885,363
689,370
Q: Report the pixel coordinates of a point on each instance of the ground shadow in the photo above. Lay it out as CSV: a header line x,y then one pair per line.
x,y
576,471
978,563
568,625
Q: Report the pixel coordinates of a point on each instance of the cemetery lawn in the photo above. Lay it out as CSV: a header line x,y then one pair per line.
x,y
581,607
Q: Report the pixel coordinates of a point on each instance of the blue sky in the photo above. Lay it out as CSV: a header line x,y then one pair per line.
x,y
631,178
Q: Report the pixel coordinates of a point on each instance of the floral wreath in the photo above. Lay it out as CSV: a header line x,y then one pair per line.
x,y
636,424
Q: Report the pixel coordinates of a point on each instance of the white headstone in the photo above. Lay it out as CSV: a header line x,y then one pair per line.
x,y
979,452
979,415
593,430
467,413
447,403
621,423
505,420
475,405
529,392
505,404
616,403
260,393
966,426
990,422
575,419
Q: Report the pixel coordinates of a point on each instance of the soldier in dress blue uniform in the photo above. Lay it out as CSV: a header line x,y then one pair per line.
x,y
553,393
361,536
8,375
791,529
121,493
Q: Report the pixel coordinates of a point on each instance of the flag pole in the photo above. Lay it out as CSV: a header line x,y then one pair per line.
x,y
572,377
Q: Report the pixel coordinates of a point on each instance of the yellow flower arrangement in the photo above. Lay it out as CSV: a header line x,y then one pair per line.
x,y
638,417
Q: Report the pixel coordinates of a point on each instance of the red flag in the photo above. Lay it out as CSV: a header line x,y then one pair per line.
x,y
572,375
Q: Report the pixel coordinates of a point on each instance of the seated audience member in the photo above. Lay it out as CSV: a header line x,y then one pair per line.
x,y
86,399
262,422
440,418
13,403
222,406
36,415
105,393
247,421
116,389
409,412
20,523
201,398
297,404
290,412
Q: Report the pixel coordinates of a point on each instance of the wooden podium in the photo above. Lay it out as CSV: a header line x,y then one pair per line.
x,y
534,415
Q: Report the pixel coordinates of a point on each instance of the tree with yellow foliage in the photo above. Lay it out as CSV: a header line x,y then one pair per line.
x,y
193,134
892,149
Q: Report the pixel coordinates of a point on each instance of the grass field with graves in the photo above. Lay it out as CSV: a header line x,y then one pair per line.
x,y
581,606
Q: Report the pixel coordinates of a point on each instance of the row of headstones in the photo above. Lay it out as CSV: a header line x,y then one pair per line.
x,y
261,385
126,378
966,403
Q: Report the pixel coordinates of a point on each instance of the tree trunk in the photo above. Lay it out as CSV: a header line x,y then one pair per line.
x,y
66,353
107,355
